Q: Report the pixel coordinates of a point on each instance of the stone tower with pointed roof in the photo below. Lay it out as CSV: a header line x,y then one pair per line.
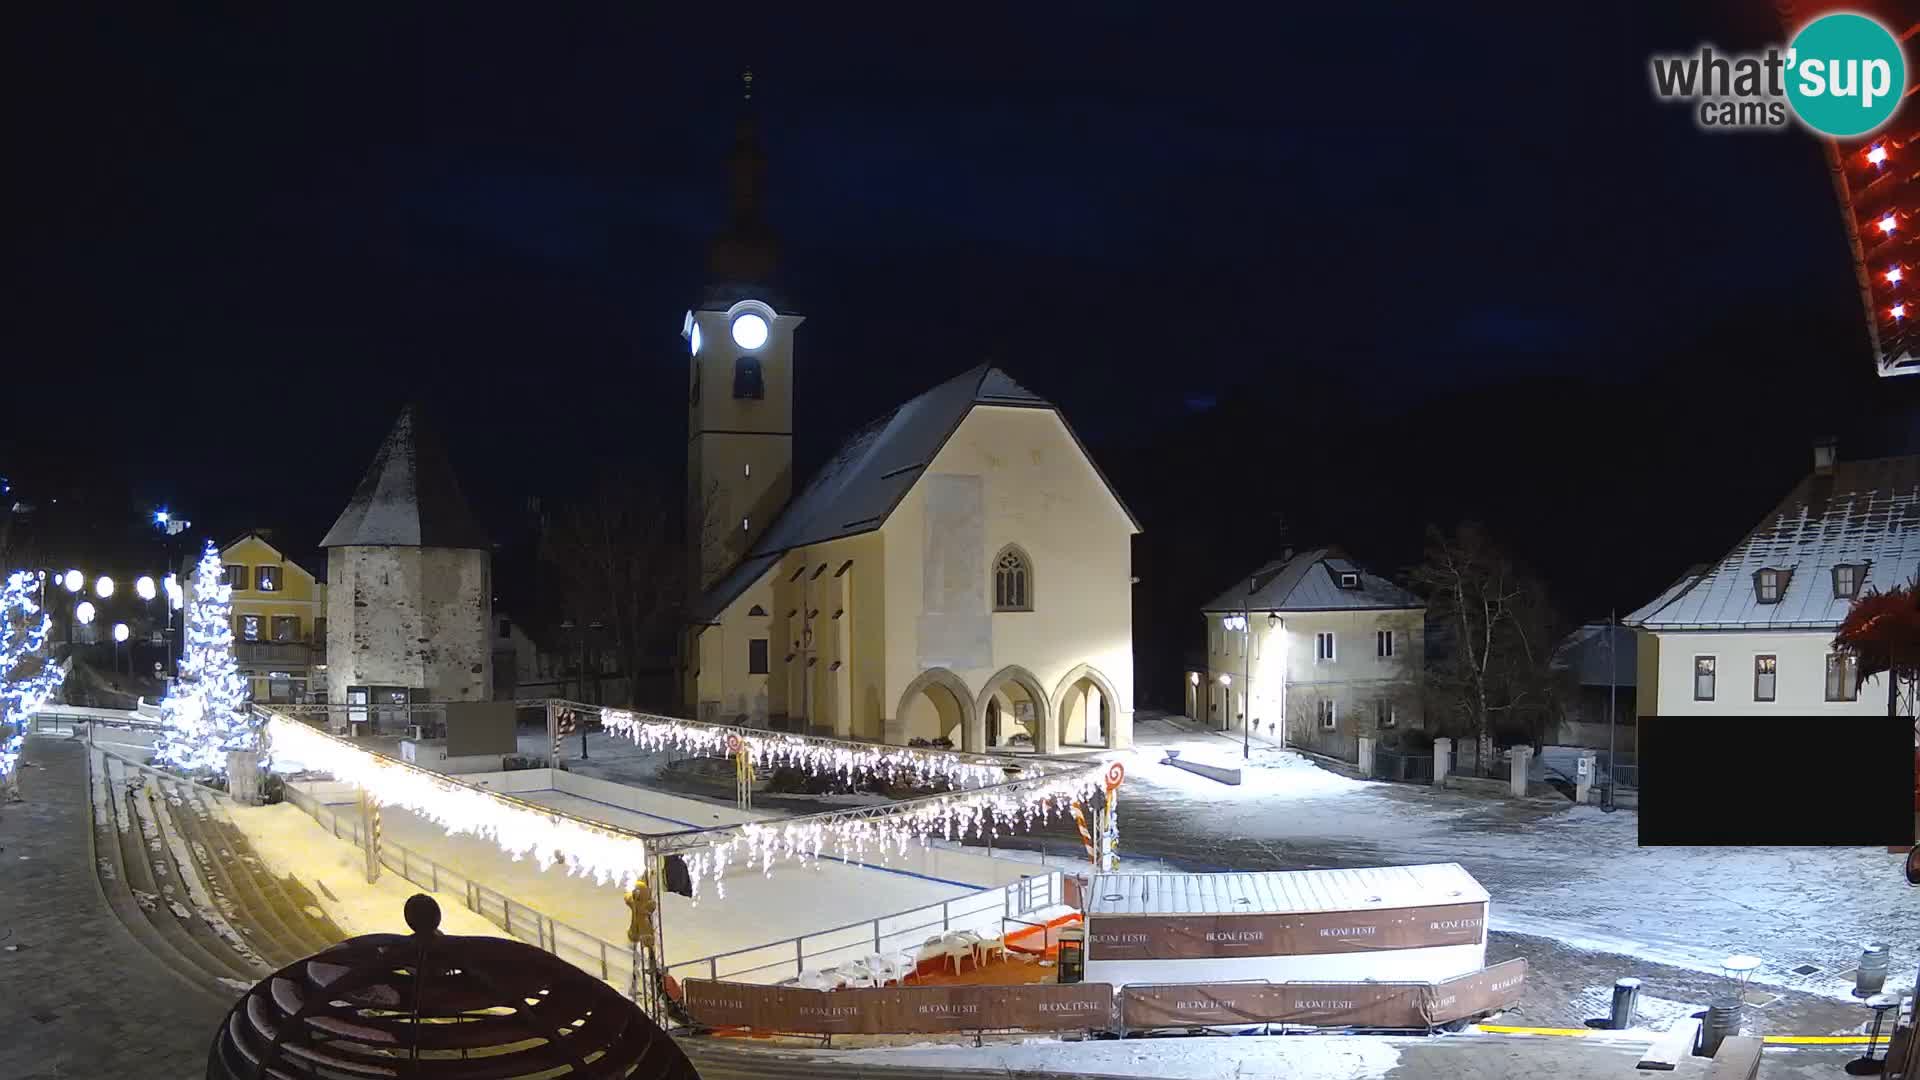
x,y
409,572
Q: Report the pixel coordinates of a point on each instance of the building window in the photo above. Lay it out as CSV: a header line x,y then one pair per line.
x,y
237,576
746,378
1843,677
1383,644
1329,715
757,656
1349,581
1386,714
286,628
1769,584
250,628
266,578
1846,581
1012,580
1703,667
1323,647
1764,670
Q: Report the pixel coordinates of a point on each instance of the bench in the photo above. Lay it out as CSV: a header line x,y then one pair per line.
x,y
1738,1058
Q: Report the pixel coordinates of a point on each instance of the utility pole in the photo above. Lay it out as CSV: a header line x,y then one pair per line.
x,y
1246,673
1613,691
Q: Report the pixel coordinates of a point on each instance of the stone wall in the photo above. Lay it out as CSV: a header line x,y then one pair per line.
x,y
409,616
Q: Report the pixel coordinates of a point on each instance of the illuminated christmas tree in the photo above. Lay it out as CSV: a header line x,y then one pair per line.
x,y
27,674
206,711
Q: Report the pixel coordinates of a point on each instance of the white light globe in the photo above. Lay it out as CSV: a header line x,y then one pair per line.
x,y
84,611
749,331
119,631
145,588
104,587
695,336
73,581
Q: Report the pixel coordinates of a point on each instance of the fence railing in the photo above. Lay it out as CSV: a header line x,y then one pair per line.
x,y
1468,761
789,958
1407,768
1334,744
591,954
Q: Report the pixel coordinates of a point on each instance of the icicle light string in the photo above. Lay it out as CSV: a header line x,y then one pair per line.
x,y
606,856
852,762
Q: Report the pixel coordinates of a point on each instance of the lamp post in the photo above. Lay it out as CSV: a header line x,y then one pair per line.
x,y
1246,672
1613,690
171,526
120,638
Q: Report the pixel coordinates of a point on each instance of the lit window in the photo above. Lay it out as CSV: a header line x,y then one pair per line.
x,y
1383,644
1012,581
1846,581
286,628
1323,647
250,628
266,578
1765,669
1843,677
1329,715
1703,668
743,524
1768,585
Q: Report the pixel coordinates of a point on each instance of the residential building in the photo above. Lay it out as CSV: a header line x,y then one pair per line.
x,y
959,570
1317,642
409,600
1753,632
527,669
279,618
1599,664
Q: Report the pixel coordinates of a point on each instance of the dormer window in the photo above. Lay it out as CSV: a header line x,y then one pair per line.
x,y
1846,580
1769,585
1349,580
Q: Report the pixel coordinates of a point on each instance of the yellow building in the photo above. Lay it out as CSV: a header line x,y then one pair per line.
x,y
279,620
960,570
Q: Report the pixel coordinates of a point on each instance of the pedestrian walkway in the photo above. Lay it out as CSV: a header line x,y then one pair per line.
x,y
83,998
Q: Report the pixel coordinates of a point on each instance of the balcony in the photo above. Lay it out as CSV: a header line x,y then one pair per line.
x,y
281,653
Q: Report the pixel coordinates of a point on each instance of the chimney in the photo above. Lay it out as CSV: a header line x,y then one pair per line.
x,y
1824,452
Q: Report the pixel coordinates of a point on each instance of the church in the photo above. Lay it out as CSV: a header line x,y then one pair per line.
x,y
959,571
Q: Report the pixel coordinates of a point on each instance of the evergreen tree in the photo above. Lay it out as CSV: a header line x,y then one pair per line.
x,y
27,675
206,711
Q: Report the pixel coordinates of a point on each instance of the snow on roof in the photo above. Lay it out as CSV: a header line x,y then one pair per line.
x,y
409,497
1864,513
1681,584
1310,582
1283,892
862,483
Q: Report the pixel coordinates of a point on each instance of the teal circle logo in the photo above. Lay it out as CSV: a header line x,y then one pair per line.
x,y
1845,74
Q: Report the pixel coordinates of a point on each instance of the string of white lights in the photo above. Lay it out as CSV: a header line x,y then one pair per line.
x,y
607,856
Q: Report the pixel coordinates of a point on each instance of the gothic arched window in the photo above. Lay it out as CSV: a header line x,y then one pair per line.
x,y
1012,580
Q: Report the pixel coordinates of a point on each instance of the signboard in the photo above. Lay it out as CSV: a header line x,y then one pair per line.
x,y
900,1009
1187,937
1347,1004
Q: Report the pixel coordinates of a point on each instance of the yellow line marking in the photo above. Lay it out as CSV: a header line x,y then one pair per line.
x,y
1582,1033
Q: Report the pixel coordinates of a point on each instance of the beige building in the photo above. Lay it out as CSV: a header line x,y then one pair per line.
x,y
1318,643
279,619
960,570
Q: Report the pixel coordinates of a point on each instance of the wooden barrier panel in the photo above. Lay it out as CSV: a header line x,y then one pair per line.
x,y
1185,937
1346,1004
900,1010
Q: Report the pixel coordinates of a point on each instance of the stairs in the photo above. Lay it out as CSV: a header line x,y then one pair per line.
x,y
176,871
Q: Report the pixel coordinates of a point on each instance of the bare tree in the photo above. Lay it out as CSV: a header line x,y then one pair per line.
x,y
617,558
1495,669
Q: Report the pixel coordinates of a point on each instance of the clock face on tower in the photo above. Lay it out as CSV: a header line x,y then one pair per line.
x,y
749,331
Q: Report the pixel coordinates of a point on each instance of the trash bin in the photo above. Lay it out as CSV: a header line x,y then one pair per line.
x,y
1872,973
1073,955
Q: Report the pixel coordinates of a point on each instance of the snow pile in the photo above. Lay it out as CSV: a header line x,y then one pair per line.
x,y
1302,1057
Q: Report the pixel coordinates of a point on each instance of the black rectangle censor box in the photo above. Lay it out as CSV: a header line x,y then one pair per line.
x,y
1776,781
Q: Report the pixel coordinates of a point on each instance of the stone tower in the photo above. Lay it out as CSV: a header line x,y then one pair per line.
x,y
409,580
740,388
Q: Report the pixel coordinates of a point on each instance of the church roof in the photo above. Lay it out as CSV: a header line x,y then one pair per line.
x,y
861,484
409,497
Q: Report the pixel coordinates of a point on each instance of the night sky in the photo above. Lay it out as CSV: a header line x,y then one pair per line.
x,y
248,239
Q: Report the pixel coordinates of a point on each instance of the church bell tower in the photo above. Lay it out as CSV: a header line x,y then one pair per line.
x,y
740,388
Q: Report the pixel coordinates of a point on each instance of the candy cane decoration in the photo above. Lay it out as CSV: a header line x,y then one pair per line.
x,y
1111,834
1086,835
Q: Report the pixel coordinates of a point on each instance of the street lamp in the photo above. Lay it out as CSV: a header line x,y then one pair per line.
x,y
73,580
119,639
83,611
104,587
144,587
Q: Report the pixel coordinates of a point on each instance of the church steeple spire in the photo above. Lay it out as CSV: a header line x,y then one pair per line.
x,y
747,251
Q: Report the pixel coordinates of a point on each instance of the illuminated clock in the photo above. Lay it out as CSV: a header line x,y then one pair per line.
x,y
749,331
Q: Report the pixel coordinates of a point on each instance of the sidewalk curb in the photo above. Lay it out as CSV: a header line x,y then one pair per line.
x,y
1604,1034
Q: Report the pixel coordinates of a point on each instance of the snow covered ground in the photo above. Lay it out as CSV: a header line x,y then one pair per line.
x,y
1296,1057
1571,874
